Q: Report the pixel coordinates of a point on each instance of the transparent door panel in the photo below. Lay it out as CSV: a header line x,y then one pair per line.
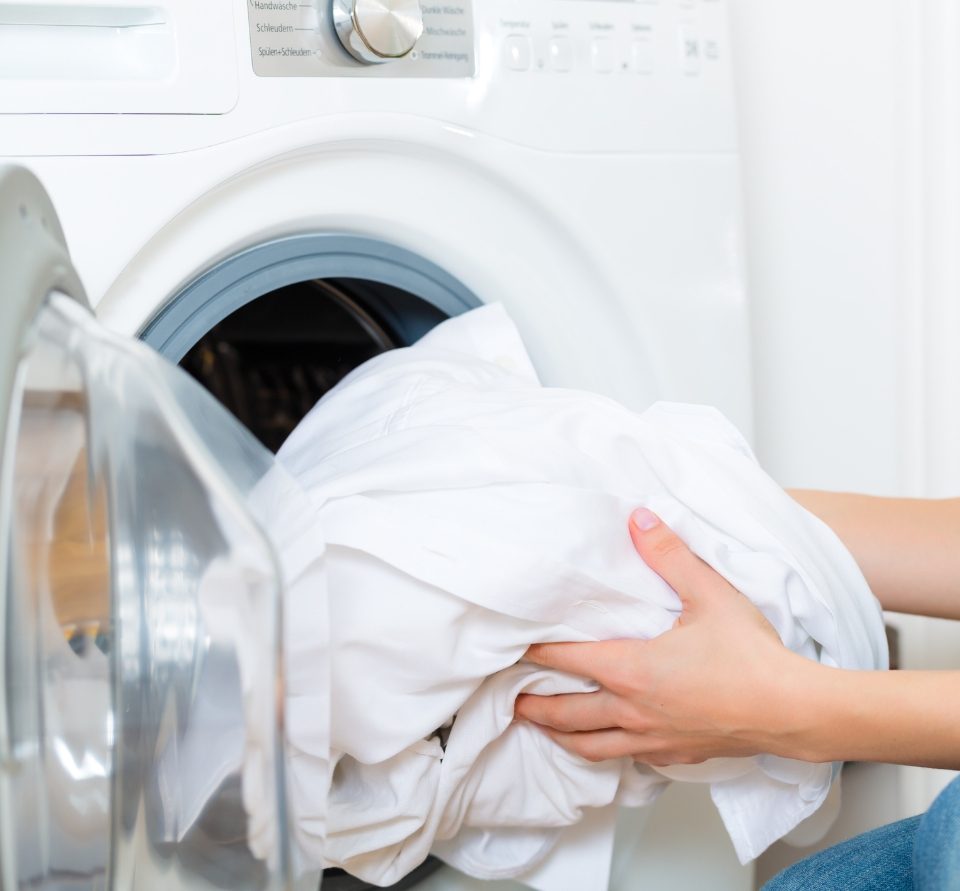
x,y
140,731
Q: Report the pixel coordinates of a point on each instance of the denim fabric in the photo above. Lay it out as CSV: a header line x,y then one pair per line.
x,y
936,852
917,854
879,860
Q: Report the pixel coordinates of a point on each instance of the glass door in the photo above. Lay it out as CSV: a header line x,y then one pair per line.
x,y
140,625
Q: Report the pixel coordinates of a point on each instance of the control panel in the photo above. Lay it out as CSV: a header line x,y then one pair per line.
x,y
410,38
650,38
362,38
619,76
648,75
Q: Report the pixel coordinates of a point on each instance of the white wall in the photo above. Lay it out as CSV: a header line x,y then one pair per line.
x,y
850,136
850,133
818,119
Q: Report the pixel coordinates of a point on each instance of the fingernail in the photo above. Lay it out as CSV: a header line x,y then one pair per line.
x,y
644,519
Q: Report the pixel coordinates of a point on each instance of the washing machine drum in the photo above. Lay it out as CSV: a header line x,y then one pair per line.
x,y
140,733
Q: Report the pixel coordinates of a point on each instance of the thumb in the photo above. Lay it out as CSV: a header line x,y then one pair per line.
x,y
697,584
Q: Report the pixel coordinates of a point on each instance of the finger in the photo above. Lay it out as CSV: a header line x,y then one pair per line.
x,y
595,660
696,583
570,711
598,745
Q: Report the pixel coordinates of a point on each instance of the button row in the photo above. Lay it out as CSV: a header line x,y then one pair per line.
x,y
606,54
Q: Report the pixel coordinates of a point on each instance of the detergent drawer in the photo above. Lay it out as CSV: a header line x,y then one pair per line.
x,y
108,57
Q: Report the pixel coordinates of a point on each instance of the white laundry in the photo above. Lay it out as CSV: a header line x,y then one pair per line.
x,y
469,512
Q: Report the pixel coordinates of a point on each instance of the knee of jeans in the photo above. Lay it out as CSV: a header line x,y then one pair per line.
x,y
950,797
936,855
944,814
795,878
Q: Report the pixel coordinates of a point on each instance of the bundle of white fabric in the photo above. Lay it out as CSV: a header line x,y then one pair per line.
x,y
469,512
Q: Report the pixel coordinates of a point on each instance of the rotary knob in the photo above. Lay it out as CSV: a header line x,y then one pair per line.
x,y
375,31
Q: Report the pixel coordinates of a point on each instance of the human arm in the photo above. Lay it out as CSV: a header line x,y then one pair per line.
x,y
908,548
721,683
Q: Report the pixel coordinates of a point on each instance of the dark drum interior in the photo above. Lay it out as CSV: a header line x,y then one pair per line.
x,y
271,360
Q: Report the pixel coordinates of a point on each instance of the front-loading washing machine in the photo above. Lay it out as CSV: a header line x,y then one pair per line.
x,y
270,192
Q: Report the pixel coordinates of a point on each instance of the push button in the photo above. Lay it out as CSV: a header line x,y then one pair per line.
x,y
689,50
603,54
560,53
517,53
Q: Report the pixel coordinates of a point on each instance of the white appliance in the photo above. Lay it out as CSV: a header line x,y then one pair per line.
x,y
227,172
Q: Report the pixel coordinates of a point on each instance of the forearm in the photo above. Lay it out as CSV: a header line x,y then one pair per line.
x,y
902,717
908,548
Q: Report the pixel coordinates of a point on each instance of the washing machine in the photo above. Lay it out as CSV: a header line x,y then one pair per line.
x,y
269,192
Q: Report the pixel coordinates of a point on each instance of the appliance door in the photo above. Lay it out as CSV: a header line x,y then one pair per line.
x,y
140,727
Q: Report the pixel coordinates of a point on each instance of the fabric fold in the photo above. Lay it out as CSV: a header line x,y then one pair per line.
x,y
469,512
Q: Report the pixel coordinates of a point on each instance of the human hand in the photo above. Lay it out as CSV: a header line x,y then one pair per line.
x,y
719,683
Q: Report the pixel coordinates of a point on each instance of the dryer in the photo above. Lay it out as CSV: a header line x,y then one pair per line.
x,y
269,192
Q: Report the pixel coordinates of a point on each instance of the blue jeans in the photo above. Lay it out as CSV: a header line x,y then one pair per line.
x,y
917,854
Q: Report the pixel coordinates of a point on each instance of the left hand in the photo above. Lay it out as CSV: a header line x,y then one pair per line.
x,y
719,683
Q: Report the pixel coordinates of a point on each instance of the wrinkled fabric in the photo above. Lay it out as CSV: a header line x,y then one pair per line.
x,y
216,746
468,512
284,512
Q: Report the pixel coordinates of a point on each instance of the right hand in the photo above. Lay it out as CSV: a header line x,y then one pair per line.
x,y
717,684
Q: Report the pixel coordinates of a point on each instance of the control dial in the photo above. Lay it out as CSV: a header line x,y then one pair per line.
x,y
375,31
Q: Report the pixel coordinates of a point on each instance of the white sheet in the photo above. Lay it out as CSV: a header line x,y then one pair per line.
x,y
470,512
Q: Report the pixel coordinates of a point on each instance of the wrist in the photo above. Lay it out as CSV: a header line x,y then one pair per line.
x,y
821,714
799,710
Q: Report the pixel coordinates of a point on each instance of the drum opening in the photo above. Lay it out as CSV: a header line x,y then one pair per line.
x,y
270,361
272,328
